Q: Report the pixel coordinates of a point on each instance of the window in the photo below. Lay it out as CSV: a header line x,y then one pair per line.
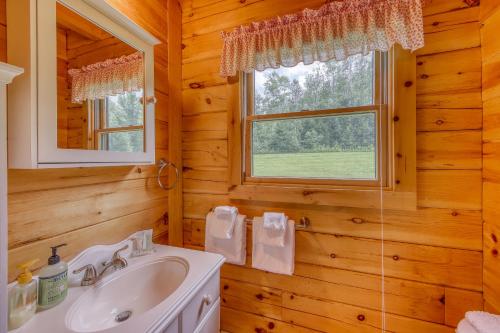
x,y
323,123
116,123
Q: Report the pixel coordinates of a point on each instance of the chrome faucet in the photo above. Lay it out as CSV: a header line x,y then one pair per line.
x,y
91,277
117,262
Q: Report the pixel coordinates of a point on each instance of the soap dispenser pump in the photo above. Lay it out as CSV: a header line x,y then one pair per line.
x,y
53,281
23,297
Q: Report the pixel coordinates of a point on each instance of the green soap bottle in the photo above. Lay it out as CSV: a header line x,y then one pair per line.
x,y
53,281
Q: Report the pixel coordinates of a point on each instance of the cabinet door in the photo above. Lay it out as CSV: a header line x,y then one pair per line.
x,y
172,328
211,323
201,304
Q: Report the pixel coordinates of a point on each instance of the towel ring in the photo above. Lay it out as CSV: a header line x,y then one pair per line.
x,y
162,164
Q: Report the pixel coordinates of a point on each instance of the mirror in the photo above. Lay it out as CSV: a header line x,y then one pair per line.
x,y
100,87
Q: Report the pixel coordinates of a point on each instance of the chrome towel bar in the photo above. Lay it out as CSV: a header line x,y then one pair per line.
x,y
304,221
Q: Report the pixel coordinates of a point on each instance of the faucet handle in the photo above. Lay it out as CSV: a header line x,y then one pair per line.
x,y
116,255
90,275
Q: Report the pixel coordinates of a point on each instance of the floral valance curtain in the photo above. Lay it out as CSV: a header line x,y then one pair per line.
x,y
337,30
106,78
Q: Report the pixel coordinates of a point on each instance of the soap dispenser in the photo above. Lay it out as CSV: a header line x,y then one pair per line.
x,y
22,297
53,281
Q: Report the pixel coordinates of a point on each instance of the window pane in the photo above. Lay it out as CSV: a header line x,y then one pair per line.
x,y
132,141
125,110
318,86
335,147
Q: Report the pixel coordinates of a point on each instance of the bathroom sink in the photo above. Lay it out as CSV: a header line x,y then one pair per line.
x,y
126,295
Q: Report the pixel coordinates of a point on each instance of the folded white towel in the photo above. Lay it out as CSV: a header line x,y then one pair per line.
x,y
464,326
234,248
484,322
222,221
274,230
275,221
273,259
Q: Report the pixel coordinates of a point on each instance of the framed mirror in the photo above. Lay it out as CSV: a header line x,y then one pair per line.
x,y
100,87
90,89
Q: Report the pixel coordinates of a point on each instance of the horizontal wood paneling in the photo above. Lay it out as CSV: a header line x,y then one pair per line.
x,y
432,256
89,206
490,14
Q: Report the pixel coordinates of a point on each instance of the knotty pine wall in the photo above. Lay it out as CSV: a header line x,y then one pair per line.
x,y
88,206
432,256
490,17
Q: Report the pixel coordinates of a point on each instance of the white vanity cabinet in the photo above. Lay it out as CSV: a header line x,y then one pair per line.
x,y
173,290
202,313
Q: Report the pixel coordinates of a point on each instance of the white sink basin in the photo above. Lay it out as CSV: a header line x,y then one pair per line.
x,y
126,296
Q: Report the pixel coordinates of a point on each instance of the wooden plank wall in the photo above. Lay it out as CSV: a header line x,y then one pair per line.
x,y
490,17
84,207
432,256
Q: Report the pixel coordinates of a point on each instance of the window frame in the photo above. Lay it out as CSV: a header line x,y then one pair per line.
x,y
401,192
380,107
97,124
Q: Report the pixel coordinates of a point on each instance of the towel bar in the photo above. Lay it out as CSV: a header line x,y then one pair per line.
x,y
303,224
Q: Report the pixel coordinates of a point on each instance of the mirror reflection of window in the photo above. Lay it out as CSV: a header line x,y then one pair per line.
x,y
117,123
100,88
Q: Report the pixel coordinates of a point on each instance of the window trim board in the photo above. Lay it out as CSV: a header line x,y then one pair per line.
x,y
401,189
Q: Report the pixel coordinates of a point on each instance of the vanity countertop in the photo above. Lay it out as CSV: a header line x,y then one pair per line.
x,y
202,266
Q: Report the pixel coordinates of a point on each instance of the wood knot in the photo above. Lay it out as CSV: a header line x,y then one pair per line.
x,y
195,85
333,255
442,300
224,300
435,24
183,46
270,325
420,63
99,213
361,317
399,155
494,252
243,1
307,193
408,84
439,122
494,238
226,287
398,181
395,257
454,213
208,100
292,296
260,297
424,76
357,220
139,170
396,118
260,330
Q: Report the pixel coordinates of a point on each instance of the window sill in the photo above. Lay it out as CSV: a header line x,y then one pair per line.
x,y
368,198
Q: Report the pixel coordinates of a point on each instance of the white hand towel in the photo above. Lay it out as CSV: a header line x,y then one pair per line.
x,y
484,322
274,231
273,259
234,248
222,221
275,221
464,326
